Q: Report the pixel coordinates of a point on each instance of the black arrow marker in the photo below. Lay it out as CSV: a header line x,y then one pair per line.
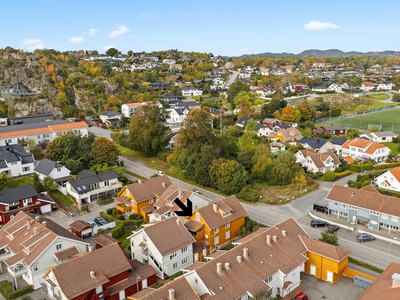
x,y
186,210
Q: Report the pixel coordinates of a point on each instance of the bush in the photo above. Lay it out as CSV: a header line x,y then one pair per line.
x,y
365,167
120,217
120,231
20,292
387,166
338,170
352,184
109,211
135,217
115,233
329,176
343,174
362,178
365,183
106,217
7,291
249,195
122,228
114,212
163,155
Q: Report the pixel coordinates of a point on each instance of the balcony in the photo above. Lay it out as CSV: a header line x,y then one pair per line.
x,y
123,208
18,270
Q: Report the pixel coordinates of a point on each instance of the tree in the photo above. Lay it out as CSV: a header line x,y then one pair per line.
x,y
147,133
284,169
305,111
130,53
234,89
288,114
352,133
330,238
36,182
5,180
263,158
267,110
104,168
104,151
227,176
112,52
49,184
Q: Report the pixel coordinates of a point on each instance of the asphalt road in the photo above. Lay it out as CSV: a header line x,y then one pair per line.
x,y
232,77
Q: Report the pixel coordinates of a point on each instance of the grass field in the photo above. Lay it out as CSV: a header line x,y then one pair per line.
x,y
372,104
380,96
389,119
394,147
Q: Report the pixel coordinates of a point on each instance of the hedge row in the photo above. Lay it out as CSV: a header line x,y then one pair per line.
x,y
7,291
387,166
363,167
110,219
388,192
342,174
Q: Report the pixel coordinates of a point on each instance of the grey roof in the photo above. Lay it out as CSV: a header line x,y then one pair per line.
x,y
188,88
46,166
113,120
320,87
86,178
384,133
338,141
14,153
313,143
110,113
18,193
259,126
31,126
244,120
334,127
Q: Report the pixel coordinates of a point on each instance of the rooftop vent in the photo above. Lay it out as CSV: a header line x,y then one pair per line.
x,y
269,241
246,253
275,238
227,266
352,193
239,259
92,275
284,233
219,268
215,207
171,294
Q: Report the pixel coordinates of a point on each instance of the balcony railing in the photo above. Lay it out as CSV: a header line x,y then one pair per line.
x,y
16,271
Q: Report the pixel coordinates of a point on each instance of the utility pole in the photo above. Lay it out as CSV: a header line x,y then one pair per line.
x,y
220,122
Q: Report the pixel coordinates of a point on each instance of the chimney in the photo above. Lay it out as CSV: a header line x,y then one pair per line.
x,y
239,259
275,238
97,172
140,181
352,193
246,253
227,266
91,248
171,294
29,224
164,185
37,218
284,233
219,268
215,207
44,223
35,231
92,275
395,280
178,222
269,240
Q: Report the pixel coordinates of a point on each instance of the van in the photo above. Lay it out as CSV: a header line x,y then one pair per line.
x,y
321,208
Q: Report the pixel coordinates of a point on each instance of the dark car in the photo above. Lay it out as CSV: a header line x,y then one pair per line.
x,y
333,228
100,221
301,296
318,223
365,237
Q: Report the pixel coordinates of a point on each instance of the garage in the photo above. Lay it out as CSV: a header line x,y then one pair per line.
x,y
81,229
45,208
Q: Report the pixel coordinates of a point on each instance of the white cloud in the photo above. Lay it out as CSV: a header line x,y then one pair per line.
x,y
77,40
244,50
93,31
320,26
108,47
33,44
118,31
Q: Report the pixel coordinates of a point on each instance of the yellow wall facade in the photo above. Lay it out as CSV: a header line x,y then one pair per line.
x,y
323,265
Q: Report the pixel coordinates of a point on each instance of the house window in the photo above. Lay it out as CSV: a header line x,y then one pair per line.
x,y
343,214
172,255
99,289
184,260
335,204
184,249
227,225
385,217
151,201
269,279
216,240
216,230
394,219
58,246
344,205
227,235
106,183
175,266
374,213
26,169
35,268
197,216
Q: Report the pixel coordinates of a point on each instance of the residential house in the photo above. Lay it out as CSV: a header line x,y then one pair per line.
x,y
221,222
380,136
367,86
390,180
91,186
167,246
185,105
139,197
216,112
188,91
319,145
103,240
331,129
59,173
159,86
22,198
40,131
265,91
169,61
101,274
81,229
151,57
271,122
337,88
129,108
176,79
245,74
320,89
242,122
361,149
385,86
27,119
301,155
287,135
263,130
387,284
111,118
169,98
29,245
15,161
368,207
338,143
277,147
173,141
177,115
319,162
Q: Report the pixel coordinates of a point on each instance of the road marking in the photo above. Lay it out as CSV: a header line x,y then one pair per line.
x,y
380,258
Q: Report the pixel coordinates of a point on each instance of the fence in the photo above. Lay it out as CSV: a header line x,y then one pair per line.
x,y
59,204
349,228
103,227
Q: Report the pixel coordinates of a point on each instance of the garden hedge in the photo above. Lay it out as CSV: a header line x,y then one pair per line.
x,y
7,291
365,167
387,166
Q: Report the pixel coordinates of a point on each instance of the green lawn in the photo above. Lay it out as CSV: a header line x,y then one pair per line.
x,y
124,239
373,104
21,181
65,200
394,147
380,96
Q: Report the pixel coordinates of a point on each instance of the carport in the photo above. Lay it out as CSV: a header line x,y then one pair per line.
x,y
81,229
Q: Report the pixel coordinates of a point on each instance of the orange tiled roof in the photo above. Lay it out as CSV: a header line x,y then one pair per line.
x,y
367,83
396,173
375,146
67,126
25,132
133,104
349,159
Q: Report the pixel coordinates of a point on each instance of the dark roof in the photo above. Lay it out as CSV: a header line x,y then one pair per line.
x,y
110,113
259,126
18,193
46,166
313,143
188,88
30,126
244,120
338,141
81,185
14,153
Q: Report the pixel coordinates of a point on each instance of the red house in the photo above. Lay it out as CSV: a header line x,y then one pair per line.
x,y
103,240
81,229
271,122
332,129
23,198
105,274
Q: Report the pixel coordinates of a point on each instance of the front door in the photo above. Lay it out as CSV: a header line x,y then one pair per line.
x,y
313,270
122,295
144,284
196,257
329,276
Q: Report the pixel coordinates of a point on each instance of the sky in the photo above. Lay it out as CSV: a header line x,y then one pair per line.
x,y
222,27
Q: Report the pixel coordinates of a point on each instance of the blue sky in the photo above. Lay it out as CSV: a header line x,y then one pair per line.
x,y
222,27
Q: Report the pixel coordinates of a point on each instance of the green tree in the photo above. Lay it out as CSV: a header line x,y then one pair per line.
x,y
267,110
227,176
130,53
104,168
5,180
234,89
352,133
263,158
284,169
112,52
330,238
36,182
104,151
49,184
147,133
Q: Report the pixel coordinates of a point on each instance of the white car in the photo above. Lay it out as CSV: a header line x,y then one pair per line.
x,y
160,173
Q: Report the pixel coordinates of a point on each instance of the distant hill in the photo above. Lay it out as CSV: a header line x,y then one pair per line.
x,y
316,52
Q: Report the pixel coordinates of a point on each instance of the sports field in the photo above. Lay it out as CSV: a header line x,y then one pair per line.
x,y
383,120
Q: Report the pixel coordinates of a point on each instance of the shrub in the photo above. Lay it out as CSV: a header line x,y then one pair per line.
x,y
120,217
352,184
365,183
329,176
249,195
106,217
109,211
163,155
387,166
120,231
343,174
121,226
115,233
135,217
365,167
362,178
114,212
20,292
338,170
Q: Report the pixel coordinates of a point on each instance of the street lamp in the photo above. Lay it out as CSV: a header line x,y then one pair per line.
x,y
258,219
137,279
181,173
387,258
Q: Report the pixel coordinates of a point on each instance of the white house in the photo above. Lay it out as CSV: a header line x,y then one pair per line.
x,y
177,115
90,186
380,136
389,180
385,86
263,130
245,74
320,89
335,87
129,108
15,161
165,245
367,86
265,91
31,245
169,61
40,131
111,117
191,91
361,149
59,173
318,162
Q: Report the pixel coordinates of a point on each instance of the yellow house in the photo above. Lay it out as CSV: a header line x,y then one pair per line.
x,y
139,197
291,134
325,261
217,223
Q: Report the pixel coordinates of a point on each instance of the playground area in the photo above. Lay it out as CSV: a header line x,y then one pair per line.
x,y
382,120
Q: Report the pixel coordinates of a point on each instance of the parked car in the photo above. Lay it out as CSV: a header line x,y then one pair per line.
x,y
159,173
91,223
333,228
365,237
100,221
318,223
321,208
301,296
